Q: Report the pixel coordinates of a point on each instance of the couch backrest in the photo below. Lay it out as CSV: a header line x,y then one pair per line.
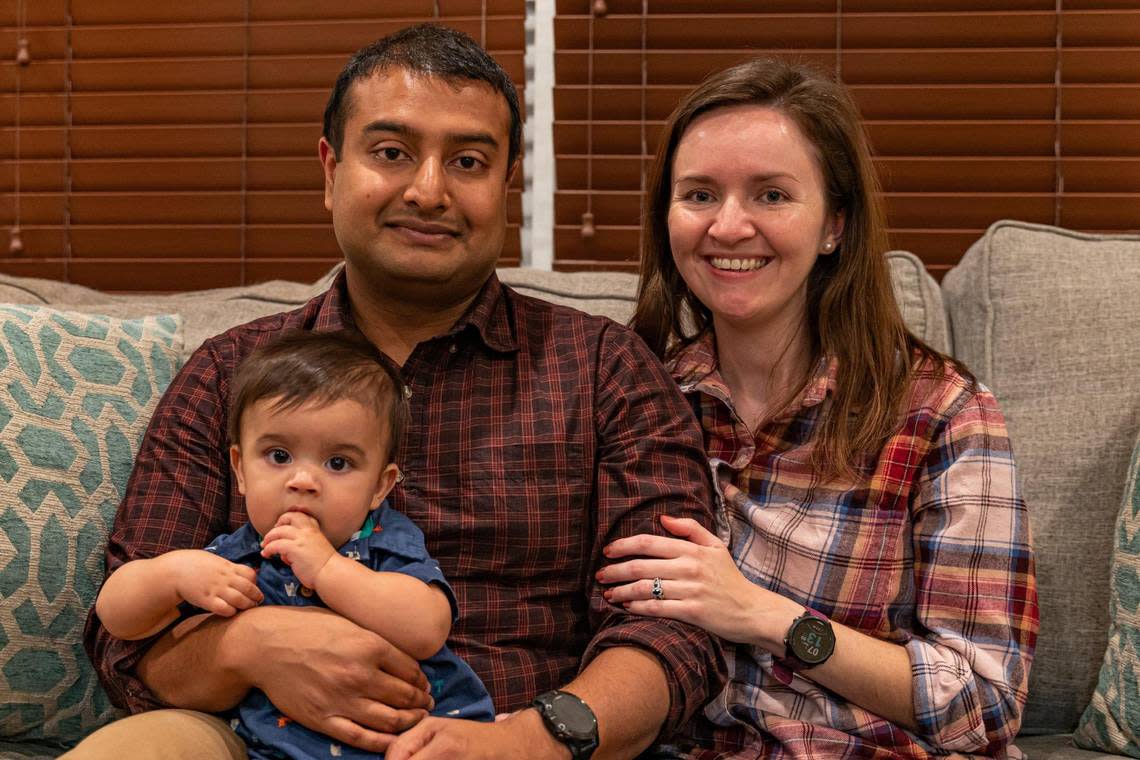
x,y
205,313
613,294
1050,320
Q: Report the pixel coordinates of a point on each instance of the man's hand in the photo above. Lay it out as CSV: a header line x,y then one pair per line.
x,y
333,676
298,540
210,582
520,736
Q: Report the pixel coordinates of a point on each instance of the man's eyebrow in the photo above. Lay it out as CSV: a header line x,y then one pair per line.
x,y
481,138
381,125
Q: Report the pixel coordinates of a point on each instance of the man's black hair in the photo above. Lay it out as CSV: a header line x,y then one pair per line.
x,y
429,50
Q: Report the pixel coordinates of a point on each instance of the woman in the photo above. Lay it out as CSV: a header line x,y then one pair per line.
x,y
878,581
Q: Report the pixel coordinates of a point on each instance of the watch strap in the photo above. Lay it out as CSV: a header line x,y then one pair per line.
x,y
547,704
784,667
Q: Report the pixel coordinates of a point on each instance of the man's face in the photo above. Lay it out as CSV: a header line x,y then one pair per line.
x,y
418,196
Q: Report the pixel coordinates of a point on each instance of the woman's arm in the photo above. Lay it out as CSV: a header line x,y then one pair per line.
x,y
976,593
706,588
142,597
962,684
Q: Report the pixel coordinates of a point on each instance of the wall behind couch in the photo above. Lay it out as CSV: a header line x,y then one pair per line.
x,y
160,146
172,146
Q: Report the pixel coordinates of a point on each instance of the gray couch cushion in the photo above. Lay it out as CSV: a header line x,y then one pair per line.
x,y
614,294
610,294
1055,747
1050,321
920,299
205,313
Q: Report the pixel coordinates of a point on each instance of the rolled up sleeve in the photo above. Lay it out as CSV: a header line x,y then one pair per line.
x,y
177,498
976,595
651,461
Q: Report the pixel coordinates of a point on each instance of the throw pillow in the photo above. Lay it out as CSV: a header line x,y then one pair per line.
x,y
1111,722
76,393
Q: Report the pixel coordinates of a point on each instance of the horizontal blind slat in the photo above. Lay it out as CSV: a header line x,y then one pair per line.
x,y
960,98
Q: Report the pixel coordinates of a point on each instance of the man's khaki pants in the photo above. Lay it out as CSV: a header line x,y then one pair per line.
x,y
166,734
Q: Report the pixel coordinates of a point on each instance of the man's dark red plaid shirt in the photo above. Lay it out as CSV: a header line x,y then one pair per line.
x,y
538,434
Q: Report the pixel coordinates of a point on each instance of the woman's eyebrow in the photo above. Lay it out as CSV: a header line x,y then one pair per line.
x,y
753,178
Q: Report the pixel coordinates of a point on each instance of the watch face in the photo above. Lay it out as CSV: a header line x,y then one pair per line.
x,y
811,640
573,717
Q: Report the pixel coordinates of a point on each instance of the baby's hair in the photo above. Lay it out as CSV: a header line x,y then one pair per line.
x,y
302,367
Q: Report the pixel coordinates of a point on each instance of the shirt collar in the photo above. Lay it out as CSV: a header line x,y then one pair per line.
x,y
695,368
822,382
334,312
490,315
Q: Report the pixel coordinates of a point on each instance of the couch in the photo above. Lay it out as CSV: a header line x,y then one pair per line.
x,y
1047,318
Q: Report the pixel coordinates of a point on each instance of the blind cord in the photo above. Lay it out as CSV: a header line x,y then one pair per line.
x,y
644,136
23,58
587,229
68,168
244,234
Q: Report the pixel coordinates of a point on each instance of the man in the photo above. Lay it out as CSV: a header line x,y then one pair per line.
x,y
537,435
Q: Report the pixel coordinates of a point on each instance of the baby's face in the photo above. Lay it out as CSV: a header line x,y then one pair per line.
x,y
328,461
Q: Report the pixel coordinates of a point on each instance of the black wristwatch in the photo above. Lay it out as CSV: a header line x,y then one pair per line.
x,y
809,641
570,720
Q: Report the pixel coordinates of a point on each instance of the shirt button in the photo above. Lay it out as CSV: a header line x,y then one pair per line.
x,y
407,391
453,348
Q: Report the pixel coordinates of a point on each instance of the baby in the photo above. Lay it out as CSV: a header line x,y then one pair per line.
x,y
314,423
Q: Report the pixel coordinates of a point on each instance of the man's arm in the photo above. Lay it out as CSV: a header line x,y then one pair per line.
x,y
642,677
288,652
628,690
651,462
179,497
622,687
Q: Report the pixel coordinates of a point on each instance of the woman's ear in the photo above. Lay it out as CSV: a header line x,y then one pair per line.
x,y
833,233
235,463
838,220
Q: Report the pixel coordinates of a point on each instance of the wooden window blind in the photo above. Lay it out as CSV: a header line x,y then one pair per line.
x,y
172,146
977,110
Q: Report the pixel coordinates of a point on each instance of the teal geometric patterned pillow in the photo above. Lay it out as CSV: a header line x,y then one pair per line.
x,y
1111,722
76,392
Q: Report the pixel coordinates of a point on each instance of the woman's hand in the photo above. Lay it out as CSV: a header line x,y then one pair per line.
x,y
700,584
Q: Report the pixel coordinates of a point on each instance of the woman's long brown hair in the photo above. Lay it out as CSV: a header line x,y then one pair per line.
x,y
851,307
